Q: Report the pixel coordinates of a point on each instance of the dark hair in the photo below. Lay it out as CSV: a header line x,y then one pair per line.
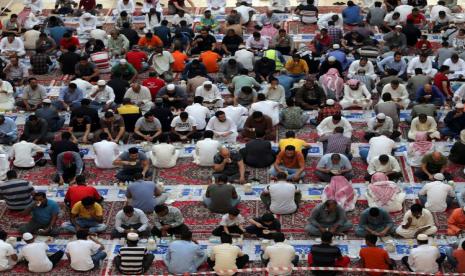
x,y
463,245
225,238
268,217
186,235
80,179
11,174
65,135
41,194
82,234
208,134
88,200
443,68
128,209
222,178
335,156
416,208
234,212
184,115
383,158
374,211
85,102
133,150
257,114
261,97
160,208
326,237
395,82
3,235
418,71
259,133
336,117
290,134
290,102
378,4
281,176
371,238
279,237
219,113
247,90
386,97
289,148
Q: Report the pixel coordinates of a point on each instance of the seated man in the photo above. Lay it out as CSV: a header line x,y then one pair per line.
x,y
220,197
206,149
148,128
332,164
375,221
416,221
144,195
132,162
291,162
282,197
356,94
211,95
437,196
140,96
86,215
26,155
44,214
337,143
372,256
454,122
78,192
381,124
326,254
80,128
328,217
168,221
258,153
264,227
69,166
280,254
431,164
426,124
130,220
17,193
36,131
423,258
125,262
184,256
70,97
226,256
105,151
292,116
328,125
299,144
86,253
224,129
456,222
229,163
8,130
163,155
36,257
386,164
261,122
184,128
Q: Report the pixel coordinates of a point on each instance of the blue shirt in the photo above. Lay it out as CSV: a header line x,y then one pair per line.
x,y
351,15
382,221
390,63
287,82
326,163
341,57
71,97
57,32
142,195
9,127
183,256
43,214
436,94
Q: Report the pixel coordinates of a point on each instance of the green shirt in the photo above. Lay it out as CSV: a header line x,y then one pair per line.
x,y
432,165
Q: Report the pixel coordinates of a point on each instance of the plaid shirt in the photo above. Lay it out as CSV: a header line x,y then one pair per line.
x,y
335,34
328,111
40,63
338,143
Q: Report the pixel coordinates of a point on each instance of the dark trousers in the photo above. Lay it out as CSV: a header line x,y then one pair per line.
x,y
240,261
232,230
193,136
254,230
68,173
284,50
146,263
424,177
439,261
177,231
128,174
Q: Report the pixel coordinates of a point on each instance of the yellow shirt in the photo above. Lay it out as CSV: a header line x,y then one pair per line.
x,y
82,212
296,68
128,109
297,143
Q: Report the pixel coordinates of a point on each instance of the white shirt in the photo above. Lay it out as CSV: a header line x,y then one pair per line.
x,y
221,127
327,126
459,94
81,252
404,11
437,193
30,38
6,250
355,66
16,46
205,151
429,126
437,8
277,94
415,62
224,256
323,20
129,7
459,66
226,221
88,24
375,165
179,125
162,62
105,153
235,112
244,12
85,86
280,255
261,44
282,198
245,57
138,217
423,258
400,93
23,153
216,4
176,19
268,108
200,114
106,95
426,219
361,93
142,96
391,22
380,145
163,155
208,95
386,126
36,256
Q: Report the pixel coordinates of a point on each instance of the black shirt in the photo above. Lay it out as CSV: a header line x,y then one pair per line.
x,y
79,126
165,116
232,168
412,33
68,62
232,42
62,146
204,43
275,225
325,255
88,112
258,153
131,35
119,88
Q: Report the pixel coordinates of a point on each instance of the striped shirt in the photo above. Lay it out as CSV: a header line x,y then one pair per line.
x,y
338,143
17,193
132,259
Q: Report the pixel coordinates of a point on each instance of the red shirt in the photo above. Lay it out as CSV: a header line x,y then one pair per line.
x,y
323,40
76,193
135,58
438,79
66,43
154,85
88,5
423,44
419,19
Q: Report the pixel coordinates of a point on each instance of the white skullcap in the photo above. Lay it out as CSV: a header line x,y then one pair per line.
x,y
459,105
27,236
381,116
87,15
439,176
398,26
336,46
331,58
207,83
101,83
329,102
170,86
123,61
47,101
422,237
132,236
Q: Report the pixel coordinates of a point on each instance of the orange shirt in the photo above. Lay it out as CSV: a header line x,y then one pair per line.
x,y
179,61
154,42
210,60
456,222
459,255
295,162
374,257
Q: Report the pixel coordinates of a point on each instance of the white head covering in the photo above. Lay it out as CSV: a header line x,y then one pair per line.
x,y
329,102
381,116
438,176
422,237
27,236
132,236
170,86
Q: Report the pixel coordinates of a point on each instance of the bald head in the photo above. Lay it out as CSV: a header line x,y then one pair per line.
x,y
436,155
224,152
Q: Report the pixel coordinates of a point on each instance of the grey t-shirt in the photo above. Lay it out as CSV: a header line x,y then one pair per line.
x,y
145,125
376,16
125,157
443,54
35,96
220,196
142,193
